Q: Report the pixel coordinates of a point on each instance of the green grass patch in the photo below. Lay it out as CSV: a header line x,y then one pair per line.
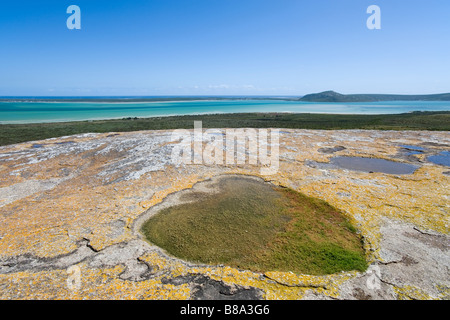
x,y
257,226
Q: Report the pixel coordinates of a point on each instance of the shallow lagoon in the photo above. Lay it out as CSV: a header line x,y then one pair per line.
x,y
54,111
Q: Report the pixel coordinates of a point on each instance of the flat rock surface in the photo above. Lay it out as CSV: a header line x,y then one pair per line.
x,y
69,208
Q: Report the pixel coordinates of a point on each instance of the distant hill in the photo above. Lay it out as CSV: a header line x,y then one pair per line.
x,y
331,96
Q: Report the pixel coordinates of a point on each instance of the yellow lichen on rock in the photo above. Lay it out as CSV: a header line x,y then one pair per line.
x,y
88,193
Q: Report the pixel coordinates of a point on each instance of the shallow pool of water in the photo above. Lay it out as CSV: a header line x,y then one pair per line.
x,y
373,165
443,158
411,147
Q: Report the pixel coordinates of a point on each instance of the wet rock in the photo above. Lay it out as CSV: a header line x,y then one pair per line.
x,y
205,288
331,150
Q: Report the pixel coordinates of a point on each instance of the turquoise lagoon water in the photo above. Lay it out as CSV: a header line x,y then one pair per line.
x,y
54,111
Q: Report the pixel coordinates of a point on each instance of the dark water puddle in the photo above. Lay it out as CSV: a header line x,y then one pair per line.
x,y
331,150
443,158
408,150
411,147
373,165
433,153
37,145
365,165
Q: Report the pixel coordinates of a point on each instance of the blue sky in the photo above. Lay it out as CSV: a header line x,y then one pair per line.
x,y
223,47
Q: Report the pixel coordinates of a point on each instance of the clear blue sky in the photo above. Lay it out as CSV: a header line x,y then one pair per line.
x,y
223,47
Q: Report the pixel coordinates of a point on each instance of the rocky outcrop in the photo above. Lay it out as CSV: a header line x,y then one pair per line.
x,y
74,202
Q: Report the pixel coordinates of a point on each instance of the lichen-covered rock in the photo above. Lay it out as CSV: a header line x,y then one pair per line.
x,y
73,201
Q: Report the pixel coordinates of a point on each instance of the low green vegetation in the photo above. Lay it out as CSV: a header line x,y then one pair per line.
x,y
257,226
16,133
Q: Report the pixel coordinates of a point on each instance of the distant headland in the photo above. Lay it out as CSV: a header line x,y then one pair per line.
x,y
332,96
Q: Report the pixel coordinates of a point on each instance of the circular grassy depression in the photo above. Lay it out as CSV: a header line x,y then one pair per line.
x,y
250,224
